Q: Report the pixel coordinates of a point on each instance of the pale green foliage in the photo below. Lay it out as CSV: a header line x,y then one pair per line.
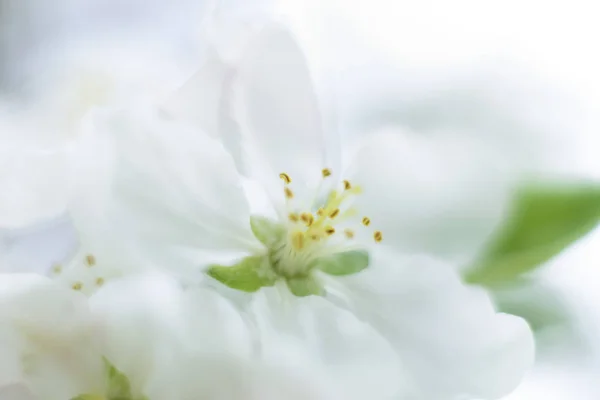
x,y
544,221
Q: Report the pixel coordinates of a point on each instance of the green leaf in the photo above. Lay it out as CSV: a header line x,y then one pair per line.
x,y
248,275
304,286
544,221
266,230
89,397
346,263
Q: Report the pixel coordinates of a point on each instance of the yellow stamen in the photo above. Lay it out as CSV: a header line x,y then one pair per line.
x,y
315,237
307,218
57,269
286,178
378,236
334,213
347,185
288,192
293,217
330,230
77,286
99,281
320,212
326,172
90,260
366,221
349,233
298,240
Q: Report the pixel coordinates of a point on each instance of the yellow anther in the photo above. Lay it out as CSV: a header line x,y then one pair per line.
x,y
326,172
288,192
334,213
347,185
99,281
77,286
298,240
293,217
57,269
378,236
330,230
320,212
90,260
366,221
307,218
349,233
315,237
286,178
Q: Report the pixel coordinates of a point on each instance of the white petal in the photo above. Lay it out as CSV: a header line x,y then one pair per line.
x,y
217,378
177,324
214,325
428,195
199,99
277,109
164,180
16,392
139,321
32,185
37,248
352,354
447,334
57,353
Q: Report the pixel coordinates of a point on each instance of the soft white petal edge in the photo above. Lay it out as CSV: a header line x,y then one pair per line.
x,y
161,179
275,105
443,331
433,194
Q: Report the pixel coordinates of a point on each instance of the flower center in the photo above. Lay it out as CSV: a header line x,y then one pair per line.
x,y
82,273
318,231
312,238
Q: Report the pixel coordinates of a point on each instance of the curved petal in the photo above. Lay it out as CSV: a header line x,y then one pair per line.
x,y
278,112
199,99
32,185
427,194
443,331
353,355
216,378
169,183
54,334
39,247
150,304
16,392
178,324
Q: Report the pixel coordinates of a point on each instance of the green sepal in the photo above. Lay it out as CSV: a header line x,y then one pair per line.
x,y
118,384
346,263
266,230
248,275
304,286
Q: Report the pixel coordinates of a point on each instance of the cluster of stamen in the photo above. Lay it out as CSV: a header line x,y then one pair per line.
x,y
89,261
318,226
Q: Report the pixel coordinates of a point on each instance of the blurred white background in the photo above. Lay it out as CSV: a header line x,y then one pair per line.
x,y
424,42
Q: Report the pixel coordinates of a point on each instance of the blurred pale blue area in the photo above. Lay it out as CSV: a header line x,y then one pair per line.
x,y
380,56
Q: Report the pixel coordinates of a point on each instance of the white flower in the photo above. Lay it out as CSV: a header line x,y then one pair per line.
x,y
145,337
35,134
297,220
